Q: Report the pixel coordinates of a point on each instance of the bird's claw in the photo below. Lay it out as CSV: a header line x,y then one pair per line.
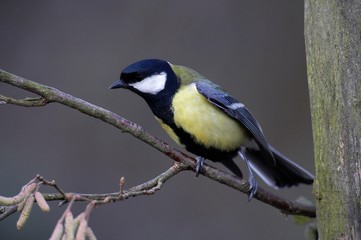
x,y
199,164
253,187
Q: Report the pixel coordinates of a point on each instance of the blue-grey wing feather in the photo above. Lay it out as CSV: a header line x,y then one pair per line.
x,y
218,97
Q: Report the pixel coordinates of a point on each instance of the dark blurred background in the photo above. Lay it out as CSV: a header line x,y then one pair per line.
x,y
255,49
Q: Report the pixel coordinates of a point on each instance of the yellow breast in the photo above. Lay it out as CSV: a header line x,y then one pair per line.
x,y
206,123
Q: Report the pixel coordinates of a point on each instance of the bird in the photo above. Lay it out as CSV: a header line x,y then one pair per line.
x,y
205,119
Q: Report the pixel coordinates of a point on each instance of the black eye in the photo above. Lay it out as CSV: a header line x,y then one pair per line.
x,y
138,77
132,77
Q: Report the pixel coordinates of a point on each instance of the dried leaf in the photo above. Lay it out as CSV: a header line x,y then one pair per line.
x,y
58,232
9,201
40,200
22,204
25,191
90,234
80,235
78,218
25,213
70,226
29,189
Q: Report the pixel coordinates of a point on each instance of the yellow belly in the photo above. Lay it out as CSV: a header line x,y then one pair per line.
x,y
207,124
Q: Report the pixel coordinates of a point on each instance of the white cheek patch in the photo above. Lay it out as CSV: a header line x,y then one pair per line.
x,y
153,84
235,106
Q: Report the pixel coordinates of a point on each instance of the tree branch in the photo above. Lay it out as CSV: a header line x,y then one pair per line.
x,y
26,102
147,188
48,95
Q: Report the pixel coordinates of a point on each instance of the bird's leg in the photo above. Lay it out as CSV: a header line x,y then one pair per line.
x,y
199,164
252,179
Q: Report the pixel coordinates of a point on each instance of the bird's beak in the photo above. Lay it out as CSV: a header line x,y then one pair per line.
x,y
118,84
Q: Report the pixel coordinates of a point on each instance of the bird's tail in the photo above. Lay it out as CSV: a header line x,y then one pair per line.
x,y
279,173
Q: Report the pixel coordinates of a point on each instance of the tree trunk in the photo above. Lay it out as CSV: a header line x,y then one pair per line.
x,y
333,49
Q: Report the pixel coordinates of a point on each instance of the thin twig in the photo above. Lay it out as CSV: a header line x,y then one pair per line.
x,y
26,102
147,188
53,184
9,210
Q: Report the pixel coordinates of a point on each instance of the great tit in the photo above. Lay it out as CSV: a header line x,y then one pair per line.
x,y
208,122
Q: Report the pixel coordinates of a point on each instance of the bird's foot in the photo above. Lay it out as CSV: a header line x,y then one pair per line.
x,y
199,164
253,187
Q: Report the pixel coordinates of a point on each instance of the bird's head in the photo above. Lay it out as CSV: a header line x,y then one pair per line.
x,y
150,78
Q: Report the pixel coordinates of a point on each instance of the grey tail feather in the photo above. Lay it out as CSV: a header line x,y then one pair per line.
x,y
279,173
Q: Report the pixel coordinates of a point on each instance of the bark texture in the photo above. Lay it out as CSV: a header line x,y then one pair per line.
x,y
333,49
